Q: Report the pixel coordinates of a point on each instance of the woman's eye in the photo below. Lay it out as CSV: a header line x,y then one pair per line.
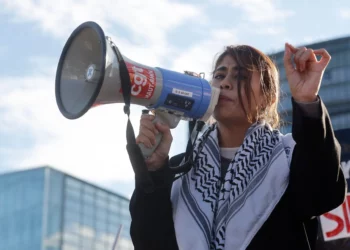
x,y
219,77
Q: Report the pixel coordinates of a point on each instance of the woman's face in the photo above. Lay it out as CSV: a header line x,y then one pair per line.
x,y
228,108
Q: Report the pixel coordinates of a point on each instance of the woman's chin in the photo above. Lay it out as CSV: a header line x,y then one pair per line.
x,y
222,115
225,110
231,115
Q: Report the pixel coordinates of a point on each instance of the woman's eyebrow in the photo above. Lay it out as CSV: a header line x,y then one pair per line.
x,y
221,68
224,68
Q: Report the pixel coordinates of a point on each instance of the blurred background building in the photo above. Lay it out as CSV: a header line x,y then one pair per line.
x,y
45,209
335,88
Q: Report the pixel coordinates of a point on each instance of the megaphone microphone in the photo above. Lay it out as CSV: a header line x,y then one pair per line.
x,y
92,72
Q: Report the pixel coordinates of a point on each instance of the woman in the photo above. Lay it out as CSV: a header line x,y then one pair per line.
x,y
251,187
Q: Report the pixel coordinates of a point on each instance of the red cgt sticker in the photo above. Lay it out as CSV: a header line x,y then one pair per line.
x,y
143,81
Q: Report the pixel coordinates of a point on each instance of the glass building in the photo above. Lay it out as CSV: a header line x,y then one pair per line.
x,y
44,209
335,87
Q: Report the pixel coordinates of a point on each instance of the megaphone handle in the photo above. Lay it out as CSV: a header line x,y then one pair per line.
x,y
147,152
171,120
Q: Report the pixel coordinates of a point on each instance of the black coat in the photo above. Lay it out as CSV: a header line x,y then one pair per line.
x,y
316,186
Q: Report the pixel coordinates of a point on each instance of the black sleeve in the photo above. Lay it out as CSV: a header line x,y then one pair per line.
x,y
152,225
317,184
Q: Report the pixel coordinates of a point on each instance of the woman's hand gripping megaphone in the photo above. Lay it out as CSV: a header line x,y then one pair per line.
x,y
155,137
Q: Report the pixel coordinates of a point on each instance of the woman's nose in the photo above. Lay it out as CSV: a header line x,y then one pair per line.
x,y
225,84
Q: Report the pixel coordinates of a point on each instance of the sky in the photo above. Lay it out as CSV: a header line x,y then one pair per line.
x,y
176,35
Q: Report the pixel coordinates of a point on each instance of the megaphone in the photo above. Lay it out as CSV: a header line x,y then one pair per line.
x,y
88,75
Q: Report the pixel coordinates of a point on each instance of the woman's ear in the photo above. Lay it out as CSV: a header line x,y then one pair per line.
x,y
266,103
263,103
273,100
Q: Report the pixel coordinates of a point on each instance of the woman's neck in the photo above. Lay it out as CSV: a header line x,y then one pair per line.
x,y
231,136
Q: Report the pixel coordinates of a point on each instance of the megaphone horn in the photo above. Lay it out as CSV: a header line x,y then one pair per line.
x,y
88,75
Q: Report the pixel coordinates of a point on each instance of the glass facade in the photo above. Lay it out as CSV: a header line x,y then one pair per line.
x,y
335,87
21,209
44,209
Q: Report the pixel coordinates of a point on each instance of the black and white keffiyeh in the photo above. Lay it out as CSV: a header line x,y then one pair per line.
x,y
213,214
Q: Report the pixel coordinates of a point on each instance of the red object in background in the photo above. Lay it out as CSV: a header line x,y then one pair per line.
x,y
336,223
